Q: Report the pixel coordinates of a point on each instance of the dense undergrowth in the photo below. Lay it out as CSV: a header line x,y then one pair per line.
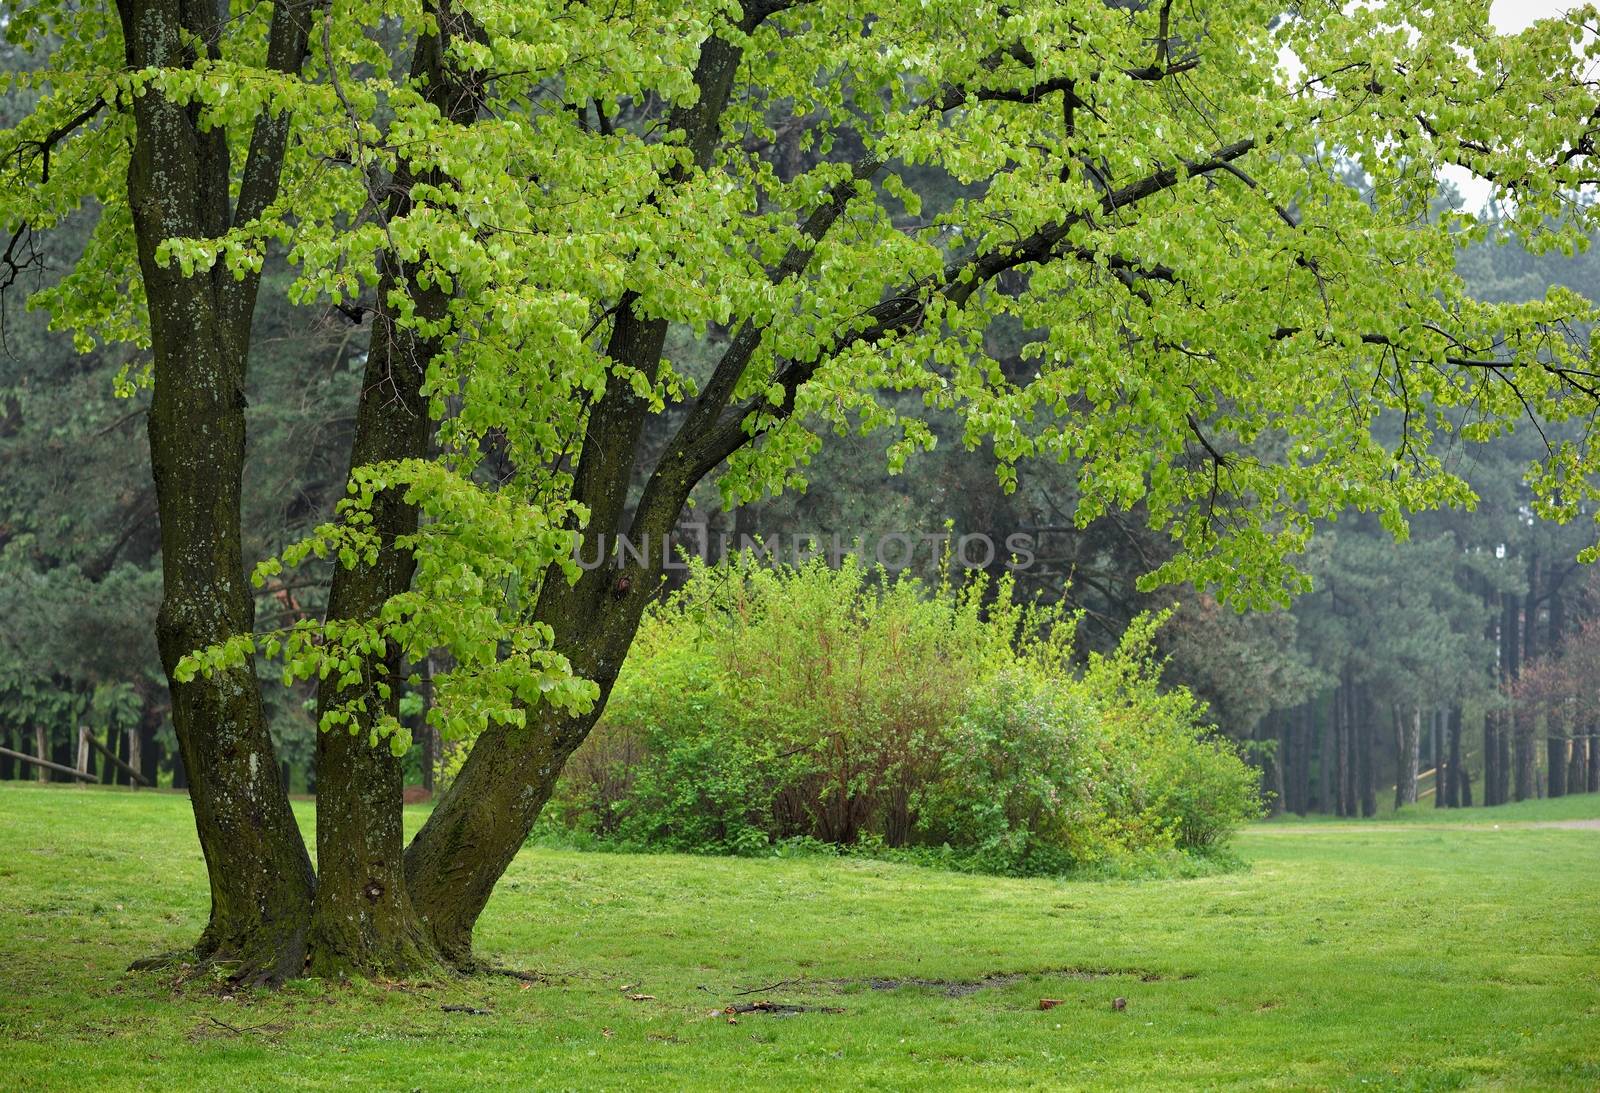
x,y
824,710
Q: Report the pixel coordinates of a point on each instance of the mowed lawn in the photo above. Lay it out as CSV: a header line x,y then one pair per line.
x,y
1390,955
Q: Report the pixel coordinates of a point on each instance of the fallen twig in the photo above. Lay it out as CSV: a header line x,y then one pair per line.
x,y
772,987
780,1009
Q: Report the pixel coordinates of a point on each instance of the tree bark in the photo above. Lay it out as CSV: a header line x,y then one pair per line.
x,y
486,815
179,184
1555,763
1327,747
1343,772
1525,756
363,922
363,919
1300,777
1458,775
1525,770
1408,742
1593,781
1572,782
41,748
1366,755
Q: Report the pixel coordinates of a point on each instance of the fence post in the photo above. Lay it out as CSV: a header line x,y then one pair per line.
x,y
42,750
83,748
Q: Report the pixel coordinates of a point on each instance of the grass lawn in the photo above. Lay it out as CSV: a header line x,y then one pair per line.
x,y
1392,955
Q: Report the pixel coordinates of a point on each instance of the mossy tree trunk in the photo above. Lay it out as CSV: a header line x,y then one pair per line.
x,y
363,919
486,815
179,182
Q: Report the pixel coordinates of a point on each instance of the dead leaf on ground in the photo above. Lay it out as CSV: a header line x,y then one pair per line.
x,y
641,998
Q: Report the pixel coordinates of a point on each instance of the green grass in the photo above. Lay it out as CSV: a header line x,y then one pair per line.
x,y
1582,806
1391,956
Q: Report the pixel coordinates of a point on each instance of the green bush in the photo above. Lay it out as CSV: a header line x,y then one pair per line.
x,y
767,708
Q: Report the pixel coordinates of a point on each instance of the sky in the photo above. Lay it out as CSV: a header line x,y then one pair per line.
x,y
1508,16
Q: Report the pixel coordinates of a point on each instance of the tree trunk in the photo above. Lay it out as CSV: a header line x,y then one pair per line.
x,y
487,813
1576,760
1525,756
1300,782
179,182
1344,772
1525,776
1408,742
135,758
1326,747
149,750
1458,774
41,748
1556,763
1593,781
1437,741
363,920
1366,755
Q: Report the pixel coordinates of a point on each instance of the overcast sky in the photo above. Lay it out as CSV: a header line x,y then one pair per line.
x,y
1509,16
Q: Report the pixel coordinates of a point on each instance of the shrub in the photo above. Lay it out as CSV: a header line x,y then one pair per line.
x,y
765,707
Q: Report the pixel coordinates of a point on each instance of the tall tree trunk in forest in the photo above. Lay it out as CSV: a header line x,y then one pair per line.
x,y
135,758
1301,778
179,182
1592,783
1507,724
1344,772
1557,729
1408,742
1571,778
149,749
108,769
1458,775
63,753
363,919
1326,747
1437,740
1366,754
1524,756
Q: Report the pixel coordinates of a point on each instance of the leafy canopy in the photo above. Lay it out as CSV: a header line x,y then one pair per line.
x,y
1224,268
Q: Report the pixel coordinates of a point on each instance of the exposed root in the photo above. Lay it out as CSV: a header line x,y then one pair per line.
x,y
162,962
514,973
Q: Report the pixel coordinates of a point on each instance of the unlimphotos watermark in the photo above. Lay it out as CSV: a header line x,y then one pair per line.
x,y
894,551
